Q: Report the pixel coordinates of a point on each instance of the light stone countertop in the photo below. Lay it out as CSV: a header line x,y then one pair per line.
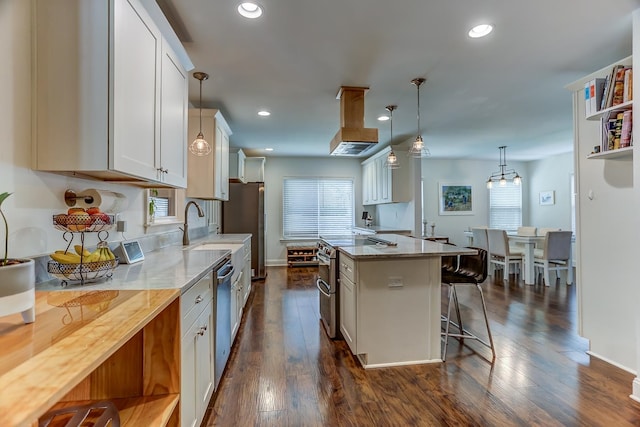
x,y
172,267
408,247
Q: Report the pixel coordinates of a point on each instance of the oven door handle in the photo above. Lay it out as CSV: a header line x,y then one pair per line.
x,y
319,285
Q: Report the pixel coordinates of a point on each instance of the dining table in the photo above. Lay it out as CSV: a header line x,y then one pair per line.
x,y
528,243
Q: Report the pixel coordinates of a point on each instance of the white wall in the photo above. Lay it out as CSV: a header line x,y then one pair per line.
x,y
39,195
277,168
551,174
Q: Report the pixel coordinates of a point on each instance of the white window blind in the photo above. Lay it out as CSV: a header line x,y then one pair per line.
x,y
317,206
505,206
162,206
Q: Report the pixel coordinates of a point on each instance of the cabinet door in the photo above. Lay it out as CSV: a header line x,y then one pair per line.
x,y
241,161
235,286
136,61
173,123
348,312
384,179
197,369
224,171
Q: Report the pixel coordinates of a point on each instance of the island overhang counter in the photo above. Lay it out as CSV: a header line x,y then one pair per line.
x,y
390,300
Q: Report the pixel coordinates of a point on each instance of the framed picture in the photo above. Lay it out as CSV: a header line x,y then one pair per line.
x,y
455,199
547,197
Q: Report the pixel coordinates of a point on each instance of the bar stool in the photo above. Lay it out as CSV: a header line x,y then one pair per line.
x,y
99,414
472,270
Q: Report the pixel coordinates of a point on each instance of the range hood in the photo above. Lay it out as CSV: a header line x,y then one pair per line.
x,y
352,139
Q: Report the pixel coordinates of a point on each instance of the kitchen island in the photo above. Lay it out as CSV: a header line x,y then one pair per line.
x,y
122,339
390,300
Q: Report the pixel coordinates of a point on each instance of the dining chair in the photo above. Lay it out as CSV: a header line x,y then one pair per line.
x,y
555,255
523,231
543,232
500,253
480,239
472,270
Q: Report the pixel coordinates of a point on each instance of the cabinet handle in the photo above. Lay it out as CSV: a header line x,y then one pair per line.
x,y
202,330
198,299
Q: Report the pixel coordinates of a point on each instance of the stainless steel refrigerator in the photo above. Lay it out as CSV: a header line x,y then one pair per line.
x,y
244,213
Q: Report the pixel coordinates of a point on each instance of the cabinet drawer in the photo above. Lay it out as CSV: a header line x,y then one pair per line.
x,y
347,267
194,300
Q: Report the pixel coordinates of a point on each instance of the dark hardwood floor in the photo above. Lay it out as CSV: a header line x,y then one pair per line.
x,y
284,371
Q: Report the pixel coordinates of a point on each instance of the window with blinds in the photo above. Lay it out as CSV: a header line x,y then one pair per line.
x,y
505,207
317,206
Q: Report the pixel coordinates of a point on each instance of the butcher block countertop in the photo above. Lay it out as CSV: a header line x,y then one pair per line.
x,y
53,358
407,247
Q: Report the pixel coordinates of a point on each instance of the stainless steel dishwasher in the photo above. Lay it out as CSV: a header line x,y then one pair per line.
x,y
222,341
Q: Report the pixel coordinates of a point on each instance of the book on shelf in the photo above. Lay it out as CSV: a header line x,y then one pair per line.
x,y
596,87
608,133
605,90
618,130
607,98
628,85
618,87
587,101
625,132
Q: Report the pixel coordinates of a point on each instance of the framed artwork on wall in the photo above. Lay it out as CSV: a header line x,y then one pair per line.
x,y
455,199
547,198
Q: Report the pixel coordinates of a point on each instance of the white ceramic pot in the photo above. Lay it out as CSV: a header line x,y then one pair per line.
x,y
18,290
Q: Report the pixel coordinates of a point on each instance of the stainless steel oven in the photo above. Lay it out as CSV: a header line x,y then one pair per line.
x,y
328,288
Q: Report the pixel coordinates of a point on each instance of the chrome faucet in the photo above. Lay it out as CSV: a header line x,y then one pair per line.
x,y
185,230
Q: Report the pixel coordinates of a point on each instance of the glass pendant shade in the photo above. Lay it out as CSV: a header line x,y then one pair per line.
x,y
200,146
392,159
418,148
504,174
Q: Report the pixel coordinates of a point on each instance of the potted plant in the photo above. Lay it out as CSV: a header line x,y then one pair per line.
x,y
153,193
17,279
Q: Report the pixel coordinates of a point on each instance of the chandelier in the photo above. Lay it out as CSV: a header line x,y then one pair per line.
x,y
504,174
418,148
392,159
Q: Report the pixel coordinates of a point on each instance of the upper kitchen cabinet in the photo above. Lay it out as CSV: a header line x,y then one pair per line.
x,y
208,176
111,93
237,166
383,185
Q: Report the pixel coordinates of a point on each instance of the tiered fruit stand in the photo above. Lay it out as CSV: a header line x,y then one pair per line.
x,y
83,271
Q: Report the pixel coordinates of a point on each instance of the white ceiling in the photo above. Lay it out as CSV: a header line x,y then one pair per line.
x,y
504,89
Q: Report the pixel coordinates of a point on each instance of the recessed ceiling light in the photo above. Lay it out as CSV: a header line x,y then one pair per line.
x,y
268,149
480,31
250,10
264,113
383,118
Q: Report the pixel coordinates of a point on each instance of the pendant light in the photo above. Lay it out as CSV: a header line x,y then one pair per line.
x,y
418,148
392,159
199,146
504,174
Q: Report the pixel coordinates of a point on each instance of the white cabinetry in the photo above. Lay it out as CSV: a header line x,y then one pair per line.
x,y
383,185
237,166
111,95
348,303
208,176
240,285
197,364
254,169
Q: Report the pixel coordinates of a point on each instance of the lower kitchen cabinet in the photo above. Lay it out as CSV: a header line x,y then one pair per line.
x,y
348,311
197,362
197,369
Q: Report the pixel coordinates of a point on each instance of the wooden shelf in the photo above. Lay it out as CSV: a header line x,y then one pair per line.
x,y
620,153
148,411
299,254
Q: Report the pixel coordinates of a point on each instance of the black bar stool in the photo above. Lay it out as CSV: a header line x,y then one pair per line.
x,y
472,270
